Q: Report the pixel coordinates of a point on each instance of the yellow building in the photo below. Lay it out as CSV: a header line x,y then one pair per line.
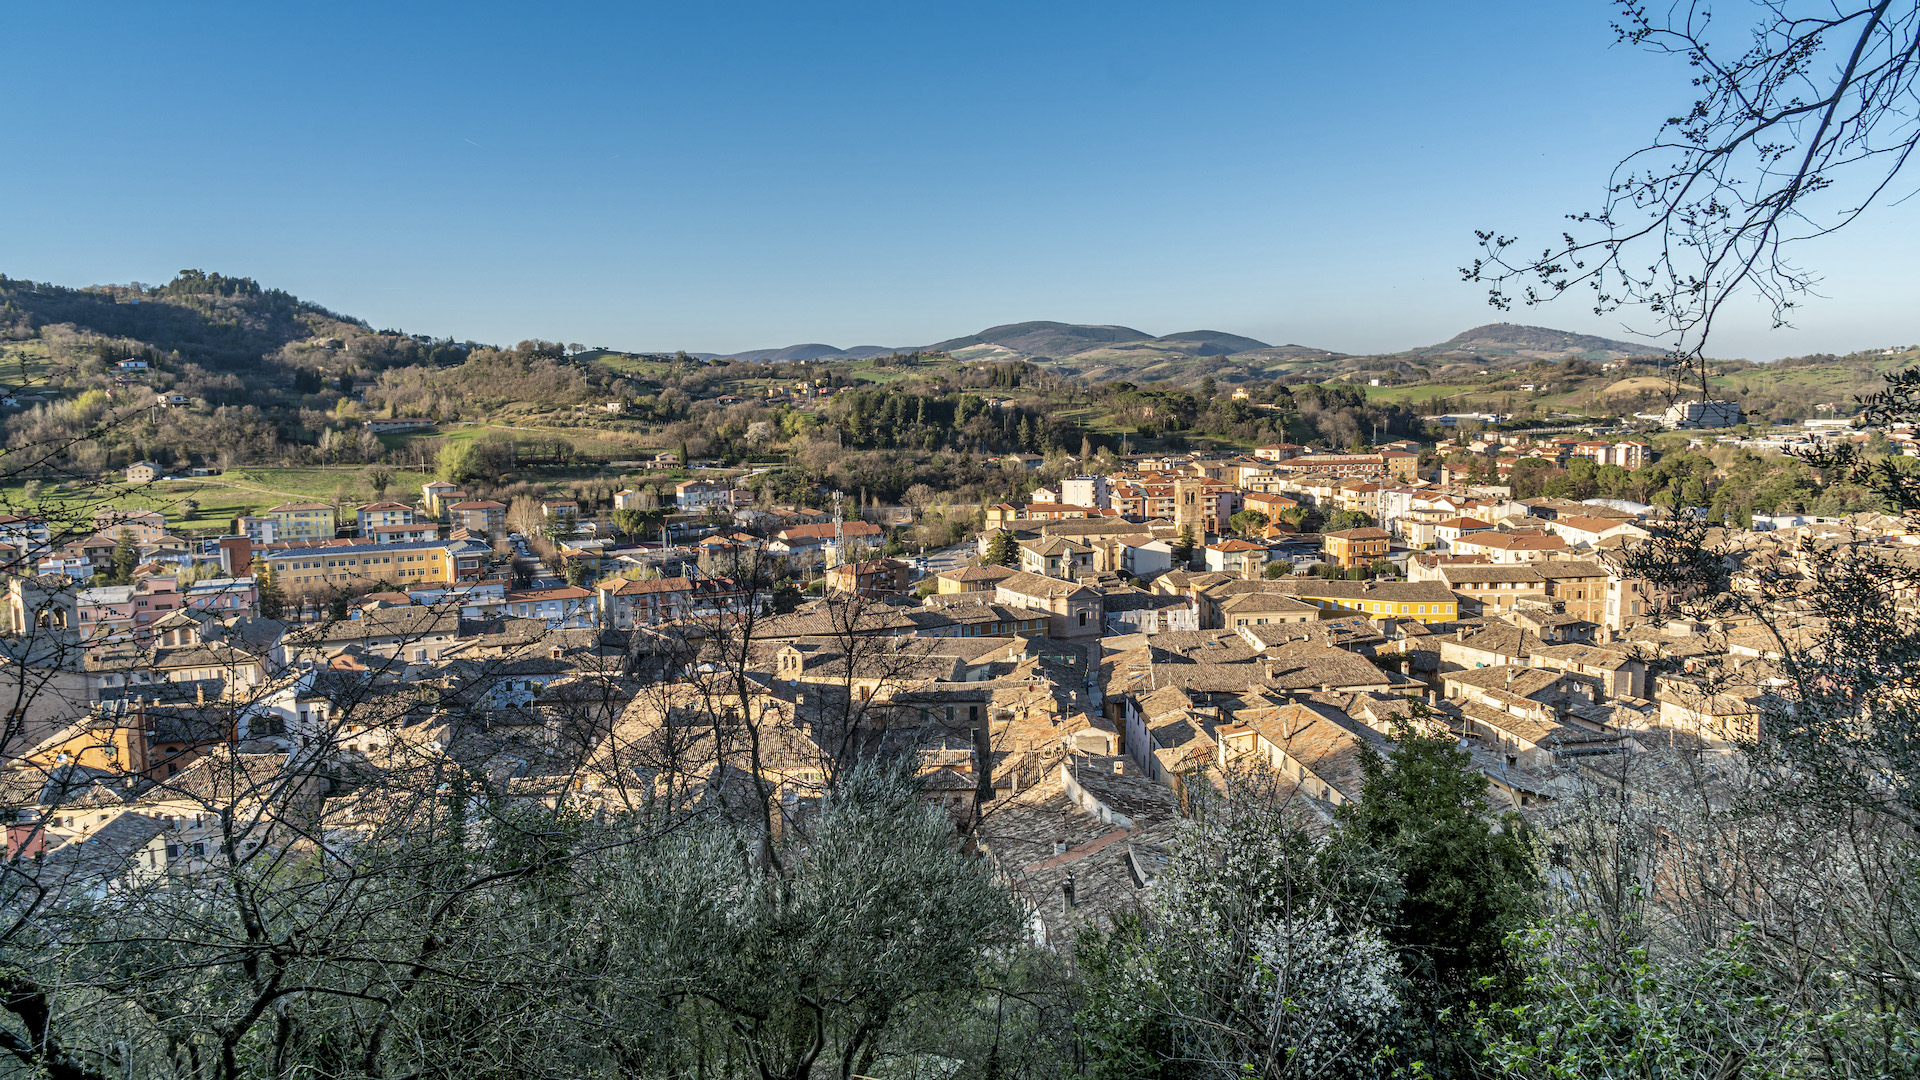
x,y
402,565
1423,601
302,521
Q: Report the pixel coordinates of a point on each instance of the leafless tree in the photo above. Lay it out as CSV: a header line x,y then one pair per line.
x,y
1805,119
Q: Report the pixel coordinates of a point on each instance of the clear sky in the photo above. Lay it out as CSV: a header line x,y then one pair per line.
x,y
730,176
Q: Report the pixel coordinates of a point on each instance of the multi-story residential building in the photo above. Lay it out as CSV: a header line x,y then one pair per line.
x,y
1702,414
259,530
222,596
1270,503
1631,454
1240,557
26,538
415,533
1579,588
1356,547
1421,601
77,567
384,513
693,495
1265,609
1510,547
1365,466
402,565
1360,495
807,542
1493,590
437,495
1091,491
108,613
1279,452
1453,528
1055,556
1400,465
1629,602
624,604
563,515
96,549
1576,530
561,606
479,516
147,526
1260,476
302,521
970,579
1142,555
870,578
1315,489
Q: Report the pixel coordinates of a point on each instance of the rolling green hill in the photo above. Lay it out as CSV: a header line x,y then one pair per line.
x,y
1049,339
1513,341
207,319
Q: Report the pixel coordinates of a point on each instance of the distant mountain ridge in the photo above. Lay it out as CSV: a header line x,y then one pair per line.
x,y
810,351
1537,342
1085,346
1106,352
234,324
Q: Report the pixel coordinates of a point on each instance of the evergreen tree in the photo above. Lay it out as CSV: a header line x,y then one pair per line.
x,y
1466,884
1183,548
273,602
1001,550
126,556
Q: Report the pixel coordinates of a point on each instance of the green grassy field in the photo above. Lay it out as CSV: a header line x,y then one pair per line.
x,y
1400,395
219,499
216,506
24,364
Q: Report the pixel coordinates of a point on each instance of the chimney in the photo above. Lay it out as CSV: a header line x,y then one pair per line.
x,y
1059,847
1119,766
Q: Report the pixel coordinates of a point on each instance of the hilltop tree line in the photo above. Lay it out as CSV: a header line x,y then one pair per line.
x,y
1731,483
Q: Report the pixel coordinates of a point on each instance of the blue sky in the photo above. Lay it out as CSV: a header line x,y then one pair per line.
x,y
732,176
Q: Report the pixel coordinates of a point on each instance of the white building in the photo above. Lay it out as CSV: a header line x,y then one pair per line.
x,y
1702,414
1086,491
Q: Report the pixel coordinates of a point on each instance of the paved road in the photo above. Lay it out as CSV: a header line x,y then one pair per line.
x,y
953,558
